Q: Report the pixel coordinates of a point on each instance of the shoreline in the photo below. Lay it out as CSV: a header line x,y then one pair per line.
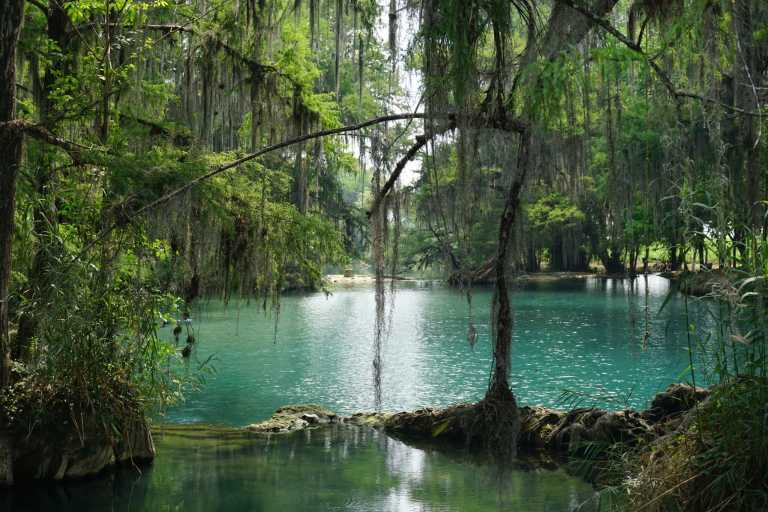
x,y
542,430
370,279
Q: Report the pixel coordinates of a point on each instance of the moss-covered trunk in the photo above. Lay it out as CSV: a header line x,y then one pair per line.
x,y
11,17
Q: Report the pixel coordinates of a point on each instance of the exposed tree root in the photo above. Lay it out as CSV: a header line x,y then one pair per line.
x,y
495,424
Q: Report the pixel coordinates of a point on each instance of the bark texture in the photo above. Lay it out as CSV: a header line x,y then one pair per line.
x,y
11,17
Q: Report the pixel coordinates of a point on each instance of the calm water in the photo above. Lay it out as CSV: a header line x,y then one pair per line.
x,y
580,335
583,335
343,469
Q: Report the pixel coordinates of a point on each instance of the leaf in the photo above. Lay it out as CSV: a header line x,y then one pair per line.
x,y
441,427
666,301
740,339
750,280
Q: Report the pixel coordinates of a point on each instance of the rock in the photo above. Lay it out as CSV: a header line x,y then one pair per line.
x,y
450,423
70,457
573,428
137,445
676,399
368,419
571,437
542,427
625,427
89,460
38,462
537,425
312,419
294,417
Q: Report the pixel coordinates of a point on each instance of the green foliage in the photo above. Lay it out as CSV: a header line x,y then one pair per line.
x,y
98,363
296,61
154,96
554,212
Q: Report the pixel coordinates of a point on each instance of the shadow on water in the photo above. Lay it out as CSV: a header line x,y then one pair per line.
x,y
336,468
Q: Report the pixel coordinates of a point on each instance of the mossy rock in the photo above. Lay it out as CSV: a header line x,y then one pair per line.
x,y
291,418
368,419
444,424
67,457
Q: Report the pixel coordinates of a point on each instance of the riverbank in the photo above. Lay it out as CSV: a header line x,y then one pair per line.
x,y
549,438
59,457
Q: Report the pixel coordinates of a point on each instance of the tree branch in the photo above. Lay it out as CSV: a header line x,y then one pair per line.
x,y
676,93
509,124
155,128
235,163
421,141
75,150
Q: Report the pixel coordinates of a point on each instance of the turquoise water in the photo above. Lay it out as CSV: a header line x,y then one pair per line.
x,y
341,469
582,335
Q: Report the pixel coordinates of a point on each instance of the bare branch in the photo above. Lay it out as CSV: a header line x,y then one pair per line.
x,y
421,141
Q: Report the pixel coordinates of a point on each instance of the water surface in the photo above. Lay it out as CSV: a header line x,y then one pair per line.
x,y
582,335
608,340
331,469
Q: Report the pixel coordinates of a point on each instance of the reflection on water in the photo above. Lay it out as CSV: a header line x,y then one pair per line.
x,y
584,335
334,469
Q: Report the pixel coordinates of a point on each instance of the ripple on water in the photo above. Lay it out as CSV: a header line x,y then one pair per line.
x,y
584,336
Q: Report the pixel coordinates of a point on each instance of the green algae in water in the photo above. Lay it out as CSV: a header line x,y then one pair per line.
x,y
327,469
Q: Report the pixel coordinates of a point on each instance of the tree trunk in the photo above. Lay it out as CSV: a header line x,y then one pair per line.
x,y
337,56
11,18
499,387
44,212
633,253
748,80
612,261
674,263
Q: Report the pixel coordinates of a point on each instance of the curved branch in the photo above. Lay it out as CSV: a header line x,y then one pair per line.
x,y
509,124
75,150
421,141
676,93
235,163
